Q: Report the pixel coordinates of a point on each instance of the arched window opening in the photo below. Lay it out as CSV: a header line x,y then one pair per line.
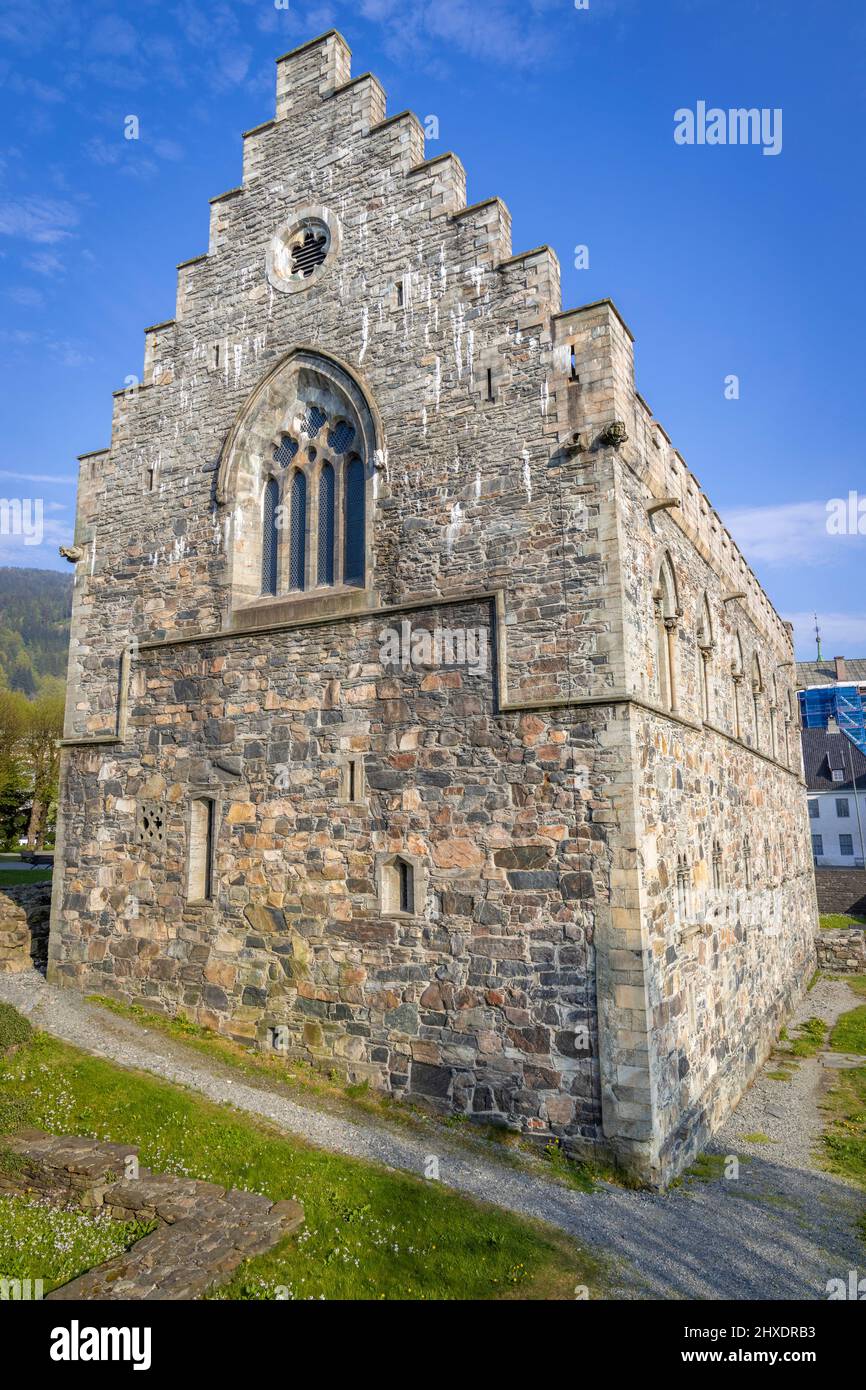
x,y
705,657
666,615
310,428
298,533
401,886
757,693
354,523
737,678
270,536
326,525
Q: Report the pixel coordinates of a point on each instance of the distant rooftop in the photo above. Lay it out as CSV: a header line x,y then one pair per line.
x,y
851,671
822,752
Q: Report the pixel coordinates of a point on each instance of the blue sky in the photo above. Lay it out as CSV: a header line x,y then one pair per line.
x,y
724,261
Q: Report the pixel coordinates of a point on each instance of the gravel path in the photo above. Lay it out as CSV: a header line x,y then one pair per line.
x,y
781,1230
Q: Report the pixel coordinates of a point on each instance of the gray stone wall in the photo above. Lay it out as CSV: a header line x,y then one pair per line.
x,y
543,978
24,925
841,890
841,951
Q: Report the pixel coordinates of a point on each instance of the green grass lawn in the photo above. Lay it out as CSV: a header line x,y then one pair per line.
x,y
835,921
40,1241
10,876
845,1136
369,1233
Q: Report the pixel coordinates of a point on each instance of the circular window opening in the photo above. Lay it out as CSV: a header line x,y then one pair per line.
x,y
301,251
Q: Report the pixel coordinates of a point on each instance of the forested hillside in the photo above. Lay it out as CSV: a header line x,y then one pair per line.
x,y
34,627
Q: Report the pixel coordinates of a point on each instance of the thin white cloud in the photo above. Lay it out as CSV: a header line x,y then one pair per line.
x,y
14,550
114,36
45,263
38,477
43,220
794,533
26,295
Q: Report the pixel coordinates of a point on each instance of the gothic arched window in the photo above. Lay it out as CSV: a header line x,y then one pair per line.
x,y
309,429
737,677
298,532
666,619
326,525
705,658
757,692
270,536
354,524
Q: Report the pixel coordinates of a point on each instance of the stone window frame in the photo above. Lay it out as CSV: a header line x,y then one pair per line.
x,y
303,219
387,885
668,612
198,795
271,413
737,676
358,762
706,647
757,694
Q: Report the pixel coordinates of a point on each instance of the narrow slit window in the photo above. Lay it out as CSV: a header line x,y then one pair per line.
x,y
573,364
400,299
298,533
201,847
490,395
326,525
354,544
269,537
404,881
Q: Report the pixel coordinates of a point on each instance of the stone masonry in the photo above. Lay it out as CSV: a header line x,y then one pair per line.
x,y
203,1231
25,910
842,951
551,870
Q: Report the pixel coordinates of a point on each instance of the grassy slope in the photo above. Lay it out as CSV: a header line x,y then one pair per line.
x,y
845,1137
369,1233
835,921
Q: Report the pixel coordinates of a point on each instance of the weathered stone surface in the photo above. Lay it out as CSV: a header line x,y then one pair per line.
x,y
842,951
25,910
203,1233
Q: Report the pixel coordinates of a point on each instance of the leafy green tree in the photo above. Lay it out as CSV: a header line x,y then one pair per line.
x,y
43,728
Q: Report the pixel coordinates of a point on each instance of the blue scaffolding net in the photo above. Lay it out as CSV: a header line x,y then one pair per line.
x,y
839,702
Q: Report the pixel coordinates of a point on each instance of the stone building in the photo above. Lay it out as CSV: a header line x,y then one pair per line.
x,y
418,698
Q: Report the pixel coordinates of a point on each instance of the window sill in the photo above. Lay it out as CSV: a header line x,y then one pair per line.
x,y
303,607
